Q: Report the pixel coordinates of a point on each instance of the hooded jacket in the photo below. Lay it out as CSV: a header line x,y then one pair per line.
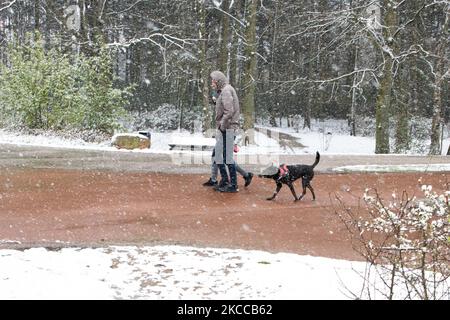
x,y
227,104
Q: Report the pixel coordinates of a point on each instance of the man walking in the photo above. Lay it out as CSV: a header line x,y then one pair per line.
x,y
227,122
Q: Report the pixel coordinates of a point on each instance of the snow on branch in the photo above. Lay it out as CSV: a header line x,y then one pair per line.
x,y
7,5
179,42
405,240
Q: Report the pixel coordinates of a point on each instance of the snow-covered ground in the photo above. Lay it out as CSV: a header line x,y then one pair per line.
x,y
327,140
177,272
332,137
172,272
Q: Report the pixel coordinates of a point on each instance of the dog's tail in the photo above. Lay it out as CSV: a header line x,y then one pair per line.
x,y
317,159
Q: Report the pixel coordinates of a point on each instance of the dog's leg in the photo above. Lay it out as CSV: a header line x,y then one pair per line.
x,y
279,185
312,191
304,184
293,191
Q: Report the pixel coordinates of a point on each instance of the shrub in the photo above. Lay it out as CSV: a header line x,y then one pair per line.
x,y
406,243
47,89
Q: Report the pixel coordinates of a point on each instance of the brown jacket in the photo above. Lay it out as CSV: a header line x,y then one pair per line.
x,y
227,104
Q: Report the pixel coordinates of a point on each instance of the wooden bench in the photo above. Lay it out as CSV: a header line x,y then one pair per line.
x,y
192,147
192,143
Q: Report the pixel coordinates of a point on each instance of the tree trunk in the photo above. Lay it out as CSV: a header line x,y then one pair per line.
x,y
233,63
235,48
91,29
383,108
352,81
224,45
37,15
383,104
353,103
415,82
311,91
249,83
307,109
437,123
181,108
273,97
402,138
203,67
84,28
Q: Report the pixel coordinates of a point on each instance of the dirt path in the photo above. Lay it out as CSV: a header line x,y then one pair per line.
x,y
55,208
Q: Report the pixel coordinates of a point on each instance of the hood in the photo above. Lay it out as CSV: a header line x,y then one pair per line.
x,y
221,79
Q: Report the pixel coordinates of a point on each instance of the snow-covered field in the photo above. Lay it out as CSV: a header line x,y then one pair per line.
x,y
172,272
177,272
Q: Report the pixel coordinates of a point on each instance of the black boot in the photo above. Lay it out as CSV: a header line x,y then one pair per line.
x,y
232,187
210,183
229,188
221,184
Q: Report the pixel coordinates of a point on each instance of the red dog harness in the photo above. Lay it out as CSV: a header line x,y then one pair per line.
x,y
284,171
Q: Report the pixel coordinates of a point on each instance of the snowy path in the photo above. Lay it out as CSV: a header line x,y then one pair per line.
x,y
25,156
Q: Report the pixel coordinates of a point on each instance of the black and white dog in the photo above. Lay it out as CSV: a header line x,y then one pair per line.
x,y
289,174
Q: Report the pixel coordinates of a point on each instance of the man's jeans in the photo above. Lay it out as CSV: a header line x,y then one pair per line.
x,y
215,168
225,143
